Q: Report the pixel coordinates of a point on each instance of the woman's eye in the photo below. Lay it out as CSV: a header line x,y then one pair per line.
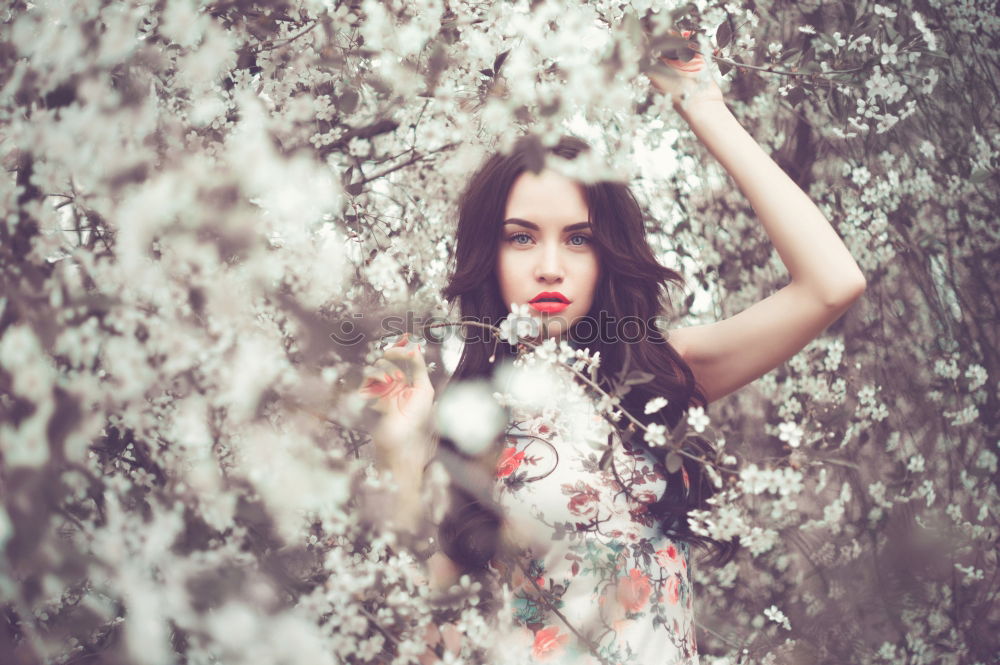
x,y
586,240
514,239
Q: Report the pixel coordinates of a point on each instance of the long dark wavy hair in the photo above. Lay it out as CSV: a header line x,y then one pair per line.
x,y
632,284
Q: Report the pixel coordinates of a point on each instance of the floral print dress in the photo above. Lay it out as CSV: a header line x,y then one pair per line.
x,y
597,582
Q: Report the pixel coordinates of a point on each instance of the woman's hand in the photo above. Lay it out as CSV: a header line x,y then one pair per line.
x,y
401,438
689,83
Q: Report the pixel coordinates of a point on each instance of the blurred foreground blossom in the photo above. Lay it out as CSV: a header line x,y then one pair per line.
x,y
697,418
468,414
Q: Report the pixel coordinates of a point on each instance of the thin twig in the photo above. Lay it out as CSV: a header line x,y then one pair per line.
x,y
712,632
412,160
288,40
784,72
590,645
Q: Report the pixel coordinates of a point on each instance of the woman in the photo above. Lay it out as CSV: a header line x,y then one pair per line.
x,y
613,585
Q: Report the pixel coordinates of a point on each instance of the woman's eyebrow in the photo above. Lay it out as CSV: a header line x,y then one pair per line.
x,y
534,227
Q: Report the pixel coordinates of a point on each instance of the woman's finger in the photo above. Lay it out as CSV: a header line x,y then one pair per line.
x,y
413,354
693,65
380,379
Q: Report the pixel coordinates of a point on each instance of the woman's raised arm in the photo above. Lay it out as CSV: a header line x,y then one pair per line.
x,y
825,279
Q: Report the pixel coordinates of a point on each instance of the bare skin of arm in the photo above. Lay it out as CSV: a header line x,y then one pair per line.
x,y
825,280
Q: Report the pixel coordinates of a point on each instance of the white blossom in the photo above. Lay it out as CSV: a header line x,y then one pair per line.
x,y
790,433
889,54
468,414
777,616
929,38
882,10
697,419
977,376
656,434
519,325
655,404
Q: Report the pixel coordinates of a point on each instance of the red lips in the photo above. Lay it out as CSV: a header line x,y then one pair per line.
x,y
550,295
550,302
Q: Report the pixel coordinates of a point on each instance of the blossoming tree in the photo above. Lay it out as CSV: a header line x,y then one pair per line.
x,y
211,210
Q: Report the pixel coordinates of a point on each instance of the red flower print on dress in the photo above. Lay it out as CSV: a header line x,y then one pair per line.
x,y
548,643
584,503
634,590
510,459
642,500
672,589
667,557
670,558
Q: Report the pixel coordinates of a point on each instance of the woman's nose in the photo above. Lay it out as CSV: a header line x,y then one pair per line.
x,y
549,267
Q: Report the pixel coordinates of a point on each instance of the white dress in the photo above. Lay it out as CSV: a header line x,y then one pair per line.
x,y
596,582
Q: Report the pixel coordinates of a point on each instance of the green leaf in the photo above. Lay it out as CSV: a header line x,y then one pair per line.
x,y
438,61
348,101
837,106
605,462
980,175
498,62
850,12
636,377
679,430
534,153
674,461
682,12
724,34
632,28
670,45
844,77
795,96
865,23
790,53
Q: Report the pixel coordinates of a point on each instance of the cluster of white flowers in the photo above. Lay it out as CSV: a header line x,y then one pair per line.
x,y
977,375
946,368
884,11
777,616
783,481
834,354
869,407
519,325
888,86
760,541
963,416
929,38
725,523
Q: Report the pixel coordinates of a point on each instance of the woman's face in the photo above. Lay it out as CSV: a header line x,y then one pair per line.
x,y
547,259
